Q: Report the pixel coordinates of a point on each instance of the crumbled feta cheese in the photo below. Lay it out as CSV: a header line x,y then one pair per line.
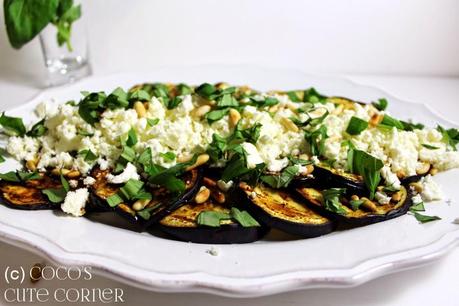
x,y
73,183
315,160
89,181
225,186
416,199
253,157
75,202
390,177
130,172
382,198
212,251
430,189
103,164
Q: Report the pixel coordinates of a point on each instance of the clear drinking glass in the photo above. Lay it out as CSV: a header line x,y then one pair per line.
x,y
66,65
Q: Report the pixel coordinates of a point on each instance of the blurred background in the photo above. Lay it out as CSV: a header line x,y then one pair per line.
x,y
410,37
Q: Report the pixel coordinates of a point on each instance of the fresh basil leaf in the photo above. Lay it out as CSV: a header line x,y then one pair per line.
x,y
299,161
2,159
417,207
25,19
170,181
145,159
243,218
132,138
227,101
313,96
131,188
282,180
12,125
128,154
152,122
390,189
355,204
217,147
173,103
331,200
88,155
143,195
424,218
55,195
168,156
38,129
356,126
368,167
293,96
391,122
410,126
117,99
205,90
184,89
84,133
139,95
316,140
212,218
235,168
25,176
450,136
250,134
425,145
65,183
10,177
216,115
381,104
91,106
266,102
64,25
114,200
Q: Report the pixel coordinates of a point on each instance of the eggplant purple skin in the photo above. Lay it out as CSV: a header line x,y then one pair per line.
x,y
41,206
225,234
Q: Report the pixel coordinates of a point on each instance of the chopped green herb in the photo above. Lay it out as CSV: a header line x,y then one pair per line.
x,y
128,154
145,159
168,156
381,104
227,100
313,96
425,145
235,168
173,103
282,180
205,90
367,166
243,218
450,136
132,138
356,126
331,200
152,122
114,200
38,129
355,204
55,195
389,121
88,155
184,89
424,218
212,218
19,176
65,183
299,161
139,95
84,133
417,207
268,101
410,126
316,140
2,159
117,99
131,188
12,125
10,177
216,115
293,96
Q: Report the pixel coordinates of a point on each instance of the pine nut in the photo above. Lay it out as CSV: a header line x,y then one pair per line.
x,y
423,168
32,164
140,109
201,160
221,85
234,117
338,110
417,186
376,119
202,195
397,196
201,111
209,182
140,204
370,205
146,105
218,196
289,125
59,171
433,171
184,158
400,174
308,169
274,108
354,197
126,209
73,174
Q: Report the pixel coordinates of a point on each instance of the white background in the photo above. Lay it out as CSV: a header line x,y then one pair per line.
x,y
383,37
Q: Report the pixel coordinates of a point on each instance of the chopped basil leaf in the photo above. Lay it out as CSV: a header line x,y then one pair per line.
x,y
216,115
356,126
392,122
205,90
131,188
145,159
331,200
410,126
282,180
152,122
390,189
293,96
425,145
243,218
417,207
450,136
91,106
381,104
55,195
88,155
250,134
311,95
143,195
168,156
10,177
65,184
128,154
227,101
38,129
235,168
184,89
316,140
355,204
19,176
168,177
84,133
2,159
212,218
299,161
139,95
117,99
424,218
114,200
132,138
173,103
268,101
367,166
12,125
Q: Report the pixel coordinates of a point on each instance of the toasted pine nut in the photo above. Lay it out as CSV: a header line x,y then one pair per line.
x,y
202,195
221,85
289,125
146,105
201,160
397,196
126,209
201,111
234,117
209,182
376,119
59,171
304,156
433,171
308,169
417,186
218,196
338,110
423,168
184,158
354,197
274,108
140,204
31,164
73,174
369,205
400,174
140,109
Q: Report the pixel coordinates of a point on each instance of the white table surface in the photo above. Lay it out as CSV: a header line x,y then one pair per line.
x,y
436,284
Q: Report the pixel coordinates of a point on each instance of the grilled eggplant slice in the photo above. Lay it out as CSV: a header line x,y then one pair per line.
x,y
329,177
368,213
181,224
162,203
282,210
28,195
